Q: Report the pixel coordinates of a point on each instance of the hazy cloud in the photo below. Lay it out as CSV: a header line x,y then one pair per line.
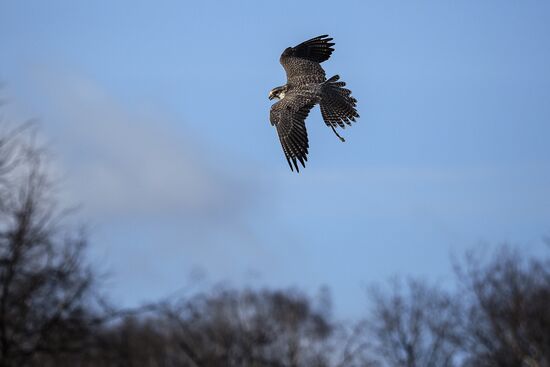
x,y
124,162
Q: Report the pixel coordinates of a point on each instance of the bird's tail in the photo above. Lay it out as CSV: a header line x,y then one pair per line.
x,y
337,104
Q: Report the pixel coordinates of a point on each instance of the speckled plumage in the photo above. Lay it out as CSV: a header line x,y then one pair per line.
x,y
307,86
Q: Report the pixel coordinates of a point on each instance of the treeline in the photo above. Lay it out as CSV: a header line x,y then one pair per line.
x,y
52,312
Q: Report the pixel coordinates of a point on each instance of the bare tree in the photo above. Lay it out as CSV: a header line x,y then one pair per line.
x,y
45,288
415,326
508,309
248,328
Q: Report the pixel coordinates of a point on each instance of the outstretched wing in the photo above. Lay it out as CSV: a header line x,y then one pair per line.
x,y
301,62
289,115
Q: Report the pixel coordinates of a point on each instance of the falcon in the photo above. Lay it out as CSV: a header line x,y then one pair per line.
x,y
307,86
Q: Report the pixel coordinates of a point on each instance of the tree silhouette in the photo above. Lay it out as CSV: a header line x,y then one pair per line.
x,y
507,309
414,326
45,288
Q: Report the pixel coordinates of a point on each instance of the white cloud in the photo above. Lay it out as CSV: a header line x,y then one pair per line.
x,y
121,162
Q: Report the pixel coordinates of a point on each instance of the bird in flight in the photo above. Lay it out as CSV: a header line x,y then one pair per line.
x,y
307,86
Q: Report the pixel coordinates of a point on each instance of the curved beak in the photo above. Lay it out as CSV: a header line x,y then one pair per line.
x,y
271,96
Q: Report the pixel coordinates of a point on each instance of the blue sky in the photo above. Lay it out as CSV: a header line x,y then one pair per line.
x,y
157,117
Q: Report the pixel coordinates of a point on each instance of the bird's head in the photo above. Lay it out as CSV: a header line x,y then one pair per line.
x,y
278,92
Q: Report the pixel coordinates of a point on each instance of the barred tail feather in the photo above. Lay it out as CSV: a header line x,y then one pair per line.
x,y
337,104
